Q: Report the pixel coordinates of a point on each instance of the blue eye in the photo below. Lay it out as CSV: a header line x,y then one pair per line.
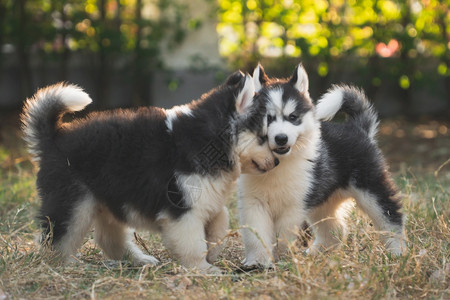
x,y
293,117
270,118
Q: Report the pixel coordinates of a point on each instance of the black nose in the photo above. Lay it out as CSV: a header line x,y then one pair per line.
x,y
281,139
277,161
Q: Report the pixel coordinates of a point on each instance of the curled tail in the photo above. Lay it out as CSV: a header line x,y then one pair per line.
x,y
42,113
353,102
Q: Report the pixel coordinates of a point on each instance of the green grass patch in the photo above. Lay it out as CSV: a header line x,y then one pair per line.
x,y
359,269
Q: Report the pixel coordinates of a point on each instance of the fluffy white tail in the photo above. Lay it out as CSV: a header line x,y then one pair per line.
x,y
43,111
353,102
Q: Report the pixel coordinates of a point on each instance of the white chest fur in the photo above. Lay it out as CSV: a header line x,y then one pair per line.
x,y
207,195
286,186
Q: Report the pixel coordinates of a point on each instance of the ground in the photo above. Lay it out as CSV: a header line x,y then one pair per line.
x,y
418,153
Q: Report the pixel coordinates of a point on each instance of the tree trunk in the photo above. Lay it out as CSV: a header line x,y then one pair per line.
x,y
23,51
102,75
66,51
2,26
142,77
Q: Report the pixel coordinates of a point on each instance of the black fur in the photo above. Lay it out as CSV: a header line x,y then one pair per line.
x,y
130,156
347,156
322,164
348,152
289,92
358,108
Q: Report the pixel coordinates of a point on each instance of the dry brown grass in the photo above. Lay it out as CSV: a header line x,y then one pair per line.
x,y
360,269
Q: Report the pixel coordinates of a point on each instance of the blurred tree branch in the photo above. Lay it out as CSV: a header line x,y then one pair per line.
x,y
108,34
398,44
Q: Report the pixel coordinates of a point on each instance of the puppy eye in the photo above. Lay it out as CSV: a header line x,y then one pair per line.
x,y
270,118
262,139
293,117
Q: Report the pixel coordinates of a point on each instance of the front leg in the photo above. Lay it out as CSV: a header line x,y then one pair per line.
x,y
287,229
185,239
257,233
216,230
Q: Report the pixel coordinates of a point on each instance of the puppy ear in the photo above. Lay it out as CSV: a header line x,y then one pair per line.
x,y
235,78
259,77
246,92
300,80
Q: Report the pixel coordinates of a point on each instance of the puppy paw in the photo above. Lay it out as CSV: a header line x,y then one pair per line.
x,y
317,248
313,250
397,247
213,253
206,269
261,263
213,270
144,259
202,267
111,263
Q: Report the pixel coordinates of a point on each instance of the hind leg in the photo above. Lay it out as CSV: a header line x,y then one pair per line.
x,y
383,208
67,208
216,229
70,224
328,223
185,238
116,239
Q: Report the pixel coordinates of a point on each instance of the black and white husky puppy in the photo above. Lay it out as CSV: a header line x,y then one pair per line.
x,y
150,168
322,164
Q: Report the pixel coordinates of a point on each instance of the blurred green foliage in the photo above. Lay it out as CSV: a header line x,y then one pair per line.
x,y
104,31
115,25
395,43
393,38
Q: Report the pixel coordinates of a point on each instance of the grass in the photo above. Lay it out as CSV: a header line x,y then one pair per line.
x,y
360,269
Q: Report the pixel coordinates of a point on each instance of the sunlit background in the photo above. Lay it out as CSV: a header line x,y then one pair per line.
x,y
126,53
164,52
